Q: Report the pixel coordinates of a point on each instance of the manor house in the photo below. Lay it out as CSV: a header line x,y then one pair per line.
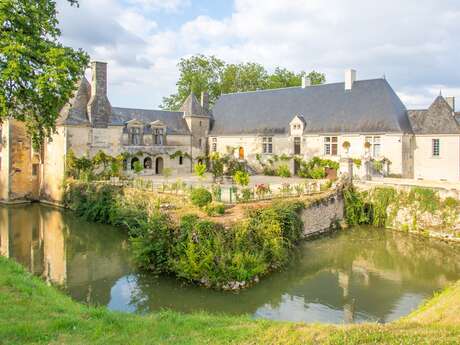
x,y
359,119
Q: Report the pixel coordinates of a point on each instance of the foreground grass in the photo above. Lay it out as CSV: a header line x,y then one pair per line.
x,y
33,313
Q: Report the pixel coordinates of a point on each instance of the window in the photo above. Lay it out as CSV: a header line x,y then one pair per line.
x,y
436,148
214,145
267,145
330,146
297,146
35,168
200,123
181,160
135,137
199,142
158,136
374,142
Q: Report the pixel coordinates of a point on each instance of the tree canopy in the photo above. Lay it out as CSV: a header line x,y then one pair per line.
x,y
37,73
208,73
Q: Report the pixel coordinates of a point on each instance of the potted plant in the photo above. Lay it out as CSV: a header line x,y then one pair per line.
x,y
346,146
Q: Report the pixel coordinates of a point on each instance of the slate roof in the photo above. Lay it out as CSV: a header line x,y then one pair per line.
x,y
437,119
75,111
192,106
174,121
370,107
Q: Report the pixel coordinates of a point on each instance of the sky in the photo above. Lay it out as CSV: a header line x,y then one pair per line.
x,y
413,43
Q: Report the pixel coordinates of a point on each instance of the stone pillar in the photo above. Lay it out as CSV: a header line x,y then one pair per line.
x,y
346,168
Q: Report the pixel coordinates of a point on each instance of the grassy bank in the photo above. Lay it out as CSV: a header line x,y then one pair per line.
x,y
33,313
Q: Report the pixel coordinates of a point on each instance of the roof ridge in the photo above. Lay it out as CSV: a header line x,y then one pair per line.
x,y
298,87
164,111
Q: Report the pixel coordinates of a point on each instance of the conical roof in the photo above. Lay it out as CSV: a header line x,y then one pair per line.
x,y
75,111
192,106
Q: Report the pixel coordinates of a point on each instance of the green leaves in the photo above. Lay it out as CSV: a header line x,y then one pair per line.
x,y
207,73
37,74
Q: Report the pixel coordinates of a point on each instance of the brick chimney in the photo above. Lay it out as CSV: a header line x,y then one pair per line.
x,y
350,78
305,81
451,102
99,108
205,102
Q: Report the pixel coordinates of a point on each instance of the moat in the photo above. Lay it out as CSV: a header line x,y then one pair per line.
x,y
356,275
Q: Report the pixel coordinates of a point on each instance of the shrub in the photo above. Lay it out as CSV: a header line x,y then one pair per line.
x,y
241,178
200,169
246,194
215,209
200,197
262,190
269,171
152,243
283,171
318,173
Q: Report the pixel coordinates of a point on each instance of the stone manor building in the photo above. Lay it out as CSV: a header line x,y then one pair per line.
x,y
304,121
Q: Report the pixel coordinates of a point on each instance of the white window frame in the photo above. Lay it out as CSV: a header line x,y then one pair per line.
x,y
135,135
214,145
376,142
436,147
329,143
267,145
158,136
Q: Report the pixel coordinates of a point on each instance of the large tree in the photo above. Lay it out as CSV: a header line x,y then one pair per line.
x,y
37,73
202,73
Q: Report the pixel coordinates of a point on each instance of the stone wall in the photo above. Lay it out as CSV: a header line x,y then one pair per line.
x,y
323,215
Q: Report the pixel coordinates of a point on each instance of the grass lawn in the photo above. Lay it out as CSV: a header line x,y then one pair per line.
x,y
33,313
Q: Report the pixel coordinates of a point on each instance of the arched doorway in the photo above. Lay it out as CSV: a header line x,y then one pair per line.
x,y
133,161
159,166
241,153
148,163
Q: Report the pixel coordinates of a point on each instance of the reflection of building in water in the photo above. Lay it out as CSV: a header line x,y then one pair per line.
x,y
35,239
63,250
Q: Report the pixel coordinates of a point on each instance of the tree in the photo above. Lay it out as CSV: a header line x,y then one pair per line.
x,y
197,74
244,77
201,73
37,74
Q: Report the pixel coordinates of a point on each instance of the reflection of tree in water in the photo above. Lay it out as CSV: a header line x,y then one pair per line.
x,y
365,270
356,271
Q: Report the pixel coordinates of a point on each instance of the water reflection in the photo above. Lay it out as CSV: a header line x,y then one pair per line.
x,y
355,276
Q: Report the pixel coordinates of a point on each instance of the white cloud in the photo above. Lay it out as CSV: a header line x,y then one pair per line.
x,y
413,42
169,5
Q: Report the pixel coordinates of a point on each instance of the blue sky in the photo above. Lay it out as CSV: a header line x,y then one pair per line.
x,y
414,43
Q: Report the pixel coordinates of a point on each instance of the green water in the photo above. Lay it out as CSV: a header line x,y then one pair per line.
x,y
357,275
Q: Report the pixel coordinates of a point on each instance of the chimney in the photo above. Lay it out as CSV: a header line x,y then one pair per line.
x,y
451,102
305,81
99,108
350,78
205,102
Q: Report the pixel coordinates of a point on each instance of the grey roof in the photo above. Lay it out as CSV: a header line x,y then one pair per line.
x,y
174,121
439,118
370,107
75,111
192,106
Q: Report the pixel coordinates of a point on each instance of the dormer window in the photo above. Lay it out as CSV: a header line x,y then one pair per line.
x,y
158,136
135,132
135,135
158,132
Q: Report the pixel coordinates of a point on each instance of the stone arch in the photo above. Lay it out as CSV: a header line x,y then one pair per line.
x,y
147,163
133,161
159,165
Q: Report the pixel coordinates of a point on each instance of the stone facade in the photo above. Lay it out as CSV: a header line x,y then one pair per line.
x,y
307,121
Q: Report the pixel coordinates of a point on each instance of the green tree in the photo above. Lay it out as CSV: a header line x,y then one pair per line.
x,y
197,74
244,77
202,73
241,178
37,74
